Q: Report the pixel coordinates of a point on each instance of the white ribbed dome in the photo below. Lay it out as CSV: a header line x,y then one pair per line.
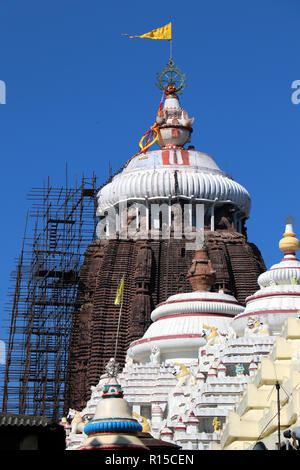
x,y
178,324
153,176
277,298
282,273
193,302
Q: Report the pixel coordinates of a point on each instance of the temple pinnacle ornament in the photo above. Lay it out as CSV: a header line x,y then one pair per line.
x,y
171,77
112,368
289,242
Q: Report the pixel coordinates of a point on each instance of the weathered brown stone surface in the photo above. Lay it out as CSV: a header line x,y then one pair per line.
x,y
201,274
154,269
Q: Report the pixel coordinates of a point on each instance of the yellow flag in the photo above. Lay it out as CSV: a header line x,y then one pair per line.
x,y
165,32
119,291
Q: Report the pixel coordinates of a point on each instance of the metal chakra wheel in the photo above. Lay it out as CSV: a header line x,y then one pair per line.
x,y
171,75
289,219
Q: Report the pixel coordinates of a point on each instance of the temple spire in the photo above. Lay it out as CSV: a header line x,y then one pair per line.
x,y
113,426
289,242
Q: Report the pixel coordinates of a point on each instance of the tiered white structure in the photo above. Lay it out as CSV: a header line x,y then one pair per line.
x,y
189,369
177,328
275,310
275,385
201,353
279,294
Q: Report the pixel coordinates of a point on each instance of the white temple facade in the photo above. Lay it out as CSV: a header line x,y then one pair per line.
x,y
195,362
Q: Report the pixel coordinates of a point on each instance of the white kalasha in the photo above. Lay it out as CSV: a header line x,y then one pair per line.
x,y
277,299
152,176
179,322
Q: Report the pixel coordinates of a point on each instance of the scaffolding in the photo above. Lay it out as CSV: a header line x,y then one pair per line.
x,y
60,225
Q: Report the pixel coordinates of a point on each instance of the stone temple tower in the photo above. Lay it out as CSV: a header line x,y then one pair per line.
x,y
153,214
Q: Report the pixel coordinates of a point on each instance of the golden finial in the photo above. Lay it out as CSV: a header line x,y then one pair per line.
x,y
289,242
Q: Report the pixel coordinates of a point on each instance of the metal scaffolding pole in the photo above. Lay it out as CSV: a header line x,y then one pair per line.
x,y
60,226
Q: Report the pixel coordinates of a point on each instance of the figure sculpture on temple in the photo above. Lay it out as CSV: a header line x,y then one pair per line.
x,y
255,327
183,375
239,369
216,424
128,360
143,421
155,354
77,423
212,336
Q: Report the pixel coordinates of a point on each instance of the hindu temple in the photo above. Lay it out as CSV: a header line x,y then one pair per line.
x,y
207,339
163,209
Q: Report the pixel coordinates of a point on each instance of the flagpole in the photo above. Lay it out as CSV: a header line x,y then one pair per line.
x,y
170,48
119,322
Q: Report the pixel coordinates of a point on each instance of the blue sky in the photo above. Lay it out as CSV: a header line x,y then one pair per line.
x,y
79,92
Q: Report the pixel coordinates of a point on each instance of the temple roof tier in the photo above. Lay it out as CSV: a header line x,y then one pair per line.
x,y
278,296
173,173
185,322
